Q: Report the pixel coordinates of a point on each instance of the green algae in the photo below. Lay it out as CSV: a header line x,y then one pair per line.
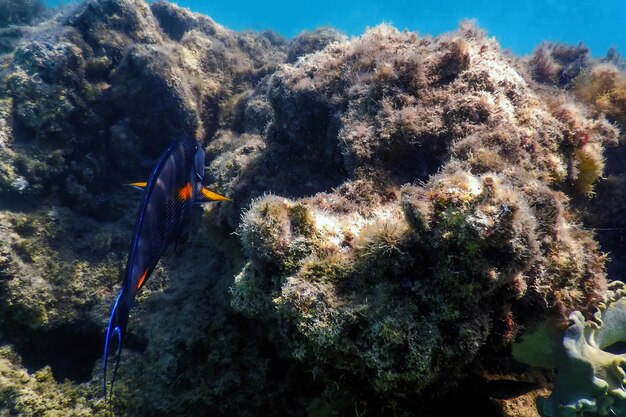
x,y
38,394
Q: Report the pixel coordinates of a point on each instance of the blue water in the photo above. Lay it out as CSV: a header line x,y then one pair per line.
x,y
518,25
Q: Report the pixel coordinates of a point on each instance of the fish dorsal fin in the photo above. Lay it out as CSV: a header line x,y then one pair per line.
x,y
208,195
138,185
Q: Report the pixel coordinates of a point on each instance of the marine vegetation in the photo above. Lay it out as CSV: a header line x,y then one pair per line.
x,y
590,360
402,287
559,64
404,208
604,88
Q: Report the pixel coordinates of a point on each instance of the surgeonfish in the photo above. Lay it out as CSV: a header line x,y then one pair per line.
x,y
174,186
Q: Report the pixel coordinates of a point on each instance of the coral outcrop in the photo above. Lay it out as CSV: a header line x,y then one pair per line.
x,y
404,208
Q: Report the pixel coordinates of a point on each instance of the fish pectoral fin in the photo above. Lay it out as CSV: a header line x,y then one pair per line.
x,y
138,185
208,195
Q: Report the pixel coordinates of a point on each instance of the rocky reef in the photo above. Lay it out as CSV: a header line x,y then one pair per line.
x,y
19,12
404,209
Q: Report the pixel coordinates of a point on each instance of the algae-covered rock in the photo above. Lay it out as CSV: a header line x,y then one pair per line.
x,y
88,100
603,88
17,12
308,42
38,394
559,64
403,287
403,208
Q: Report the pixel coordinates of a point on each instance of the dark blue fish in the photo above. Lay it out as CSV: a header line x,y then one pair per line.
x,y
174,186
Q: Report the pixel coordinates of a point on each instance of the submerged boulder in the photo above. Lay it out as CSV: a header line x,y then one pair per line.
x,y
404,208
404,287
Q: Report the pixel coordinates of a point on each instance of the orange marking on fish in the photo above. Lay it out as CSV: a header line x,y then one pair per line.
x,y
210,195
141,184
186,192
142,279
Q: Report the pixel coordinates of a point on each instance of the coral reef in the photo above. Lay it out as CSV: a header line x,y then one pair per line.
x,y
404,208
88,99
523,405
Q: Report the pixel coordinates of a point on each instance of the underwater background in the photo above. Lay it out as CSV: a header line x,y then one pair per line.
x,y
519,26
423,222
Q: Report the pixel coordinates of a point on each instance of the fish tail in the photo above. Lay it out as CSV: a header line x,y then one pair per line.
x,y
115,331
